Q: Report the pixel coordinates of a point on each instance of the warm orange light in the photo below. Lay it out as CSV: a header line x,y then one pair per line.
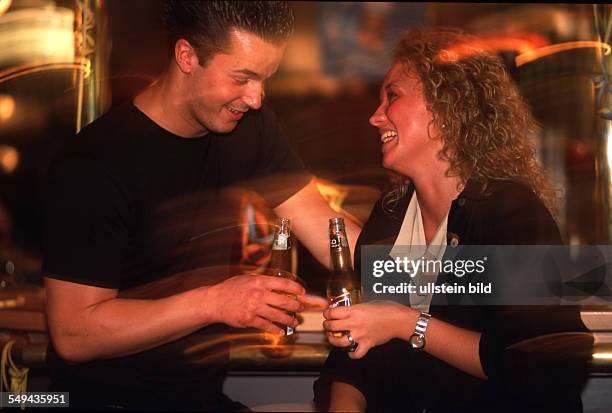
x,y
200,347
602,356
9,159
521,43
7,107
333,194
556,48
4,6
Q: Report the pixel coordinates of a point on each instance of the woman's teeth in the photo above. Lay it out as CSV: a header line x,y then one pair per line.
x,y
388,136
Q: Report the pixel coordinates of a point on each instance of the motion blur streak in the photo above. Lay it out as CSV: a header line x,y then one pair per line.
x,y
556,48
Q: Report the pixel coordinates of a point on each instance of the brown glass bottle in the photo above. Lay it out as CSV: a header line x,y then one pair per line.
x,y
280,261
343,286
280,265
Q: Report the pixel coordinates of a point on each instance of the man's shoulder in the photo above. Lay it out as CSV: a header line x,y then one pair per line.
x,y
113,124
106,137
105,147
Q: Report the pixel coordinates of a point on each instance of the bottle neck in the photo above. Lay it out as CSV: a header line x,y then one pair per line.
x,y
281,246
282,235
341,260
281,259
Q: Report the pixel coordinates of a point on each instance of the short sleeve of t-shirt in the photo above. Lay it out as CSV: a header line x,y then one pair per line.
x,y
85,233
280,172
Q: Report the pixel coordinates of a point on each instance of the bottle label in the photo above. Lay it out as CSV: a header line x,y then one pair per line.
x,y
337,240
281,242
343,300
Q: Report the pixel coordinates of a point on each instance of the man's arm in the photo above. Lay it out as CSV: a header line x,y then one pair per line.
x,y
309,214
88,323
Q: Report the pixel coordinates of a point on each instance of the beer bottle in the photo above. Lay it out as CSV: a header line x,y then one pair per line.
x,y
343,286
280,261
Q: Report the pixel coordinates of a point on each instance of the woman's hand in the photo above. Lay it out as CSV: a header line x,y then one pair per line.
x,y
370,324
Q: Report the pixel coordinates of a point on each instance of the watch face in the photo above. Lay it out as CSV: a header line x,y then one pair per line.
x,y
417,341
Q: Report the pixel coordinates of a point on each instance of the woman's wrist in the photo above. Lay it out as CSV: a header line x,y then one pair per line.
x,y
406,322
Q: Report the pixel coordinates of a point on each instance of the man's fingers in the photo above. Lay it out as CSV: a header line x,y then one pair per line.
x,y
265,325
281,284
284,302
277,316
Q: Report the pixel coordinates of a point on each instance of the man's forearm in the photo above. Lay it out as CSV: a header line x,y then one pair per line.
x,y
119,327
309,214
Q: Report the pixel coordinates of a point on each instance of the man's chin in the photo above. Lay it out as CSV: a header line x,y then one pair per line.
x,y
226,127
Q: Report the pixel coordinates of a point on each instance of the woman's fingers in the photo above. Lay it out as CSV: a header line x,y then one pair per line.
x,y
342,340
337,313
361,351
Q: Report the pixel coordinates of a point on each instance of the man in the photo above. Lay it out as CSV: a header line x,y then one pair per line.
x,y
201,128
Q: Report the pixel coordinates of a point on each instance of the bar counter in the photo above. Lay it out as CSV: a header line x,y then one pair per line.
x,y
22,319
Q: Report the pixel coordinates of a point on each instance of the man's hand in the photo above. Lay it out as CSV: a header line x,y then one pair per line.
x,y
370,324
257,301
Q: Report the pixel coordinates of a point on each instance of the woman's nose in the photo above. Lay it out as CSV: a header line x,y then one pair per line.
x,y
378,117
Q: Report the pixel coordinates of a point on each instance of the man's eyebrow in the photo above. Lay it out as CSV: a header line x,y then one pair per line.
x,y
248,72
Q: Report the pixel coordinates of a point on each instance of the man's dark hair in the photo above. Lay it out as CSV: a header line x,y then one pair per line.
x,y
206,24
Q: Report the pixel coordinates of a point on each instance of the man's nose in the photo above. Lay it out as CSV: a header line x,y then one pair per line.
x,y
253,95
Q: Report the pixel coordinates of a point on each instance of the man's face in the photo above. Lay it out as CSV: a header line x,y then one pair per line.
x,y
231,82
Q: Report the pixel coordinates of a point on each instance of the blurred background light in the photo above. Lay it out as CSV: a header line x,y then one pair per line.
x,y
43,34
7,107
532,55
9,159
4,6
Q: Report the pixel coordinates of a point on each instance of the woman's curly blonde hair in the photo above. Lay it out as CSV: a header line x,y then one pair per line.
x,y
486,127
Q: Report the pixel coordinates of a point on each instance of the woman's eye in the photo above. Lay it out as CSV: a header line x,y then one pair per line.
x,y
241,81
391,95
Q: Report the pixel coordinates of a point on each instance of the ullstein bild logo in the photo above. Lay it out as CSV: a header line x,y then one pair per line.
x,y
432,288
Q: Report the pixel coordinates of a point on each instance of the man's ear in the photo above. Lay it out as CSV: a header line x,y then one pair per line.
x,y
185,56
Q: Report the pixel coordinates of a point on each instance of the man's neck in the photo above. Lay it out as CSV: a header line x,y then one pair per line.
x,y
161,103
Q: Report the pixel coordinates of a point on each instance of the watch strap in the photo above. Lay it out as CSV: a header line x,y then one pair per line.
x,y
421,323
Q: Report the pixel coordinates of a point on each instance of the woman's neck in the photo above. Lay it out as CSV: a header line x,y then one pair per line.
x,y
435,194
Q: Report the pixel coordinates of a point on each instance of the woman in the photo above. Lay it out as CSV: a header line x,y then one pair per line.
x,y
451,122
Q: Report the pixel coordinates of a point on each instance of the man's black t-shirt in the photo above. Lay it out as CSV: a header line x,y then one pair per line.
x,y
126,195
128,202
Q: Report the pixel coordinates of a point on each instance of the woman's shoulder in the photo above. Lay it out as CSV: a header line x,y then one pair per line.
x,y
514,210
507,197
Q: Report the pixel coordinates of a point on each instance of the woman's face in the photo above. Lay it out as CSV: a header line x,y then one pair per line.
x,y
402,120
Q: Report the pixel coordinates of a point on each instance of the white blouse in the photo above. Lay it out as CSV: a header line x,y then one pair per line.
x,y
411,243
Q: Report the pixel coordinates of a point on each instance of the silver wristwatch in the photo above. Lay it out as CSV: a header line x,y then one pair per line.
x,y
417,339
